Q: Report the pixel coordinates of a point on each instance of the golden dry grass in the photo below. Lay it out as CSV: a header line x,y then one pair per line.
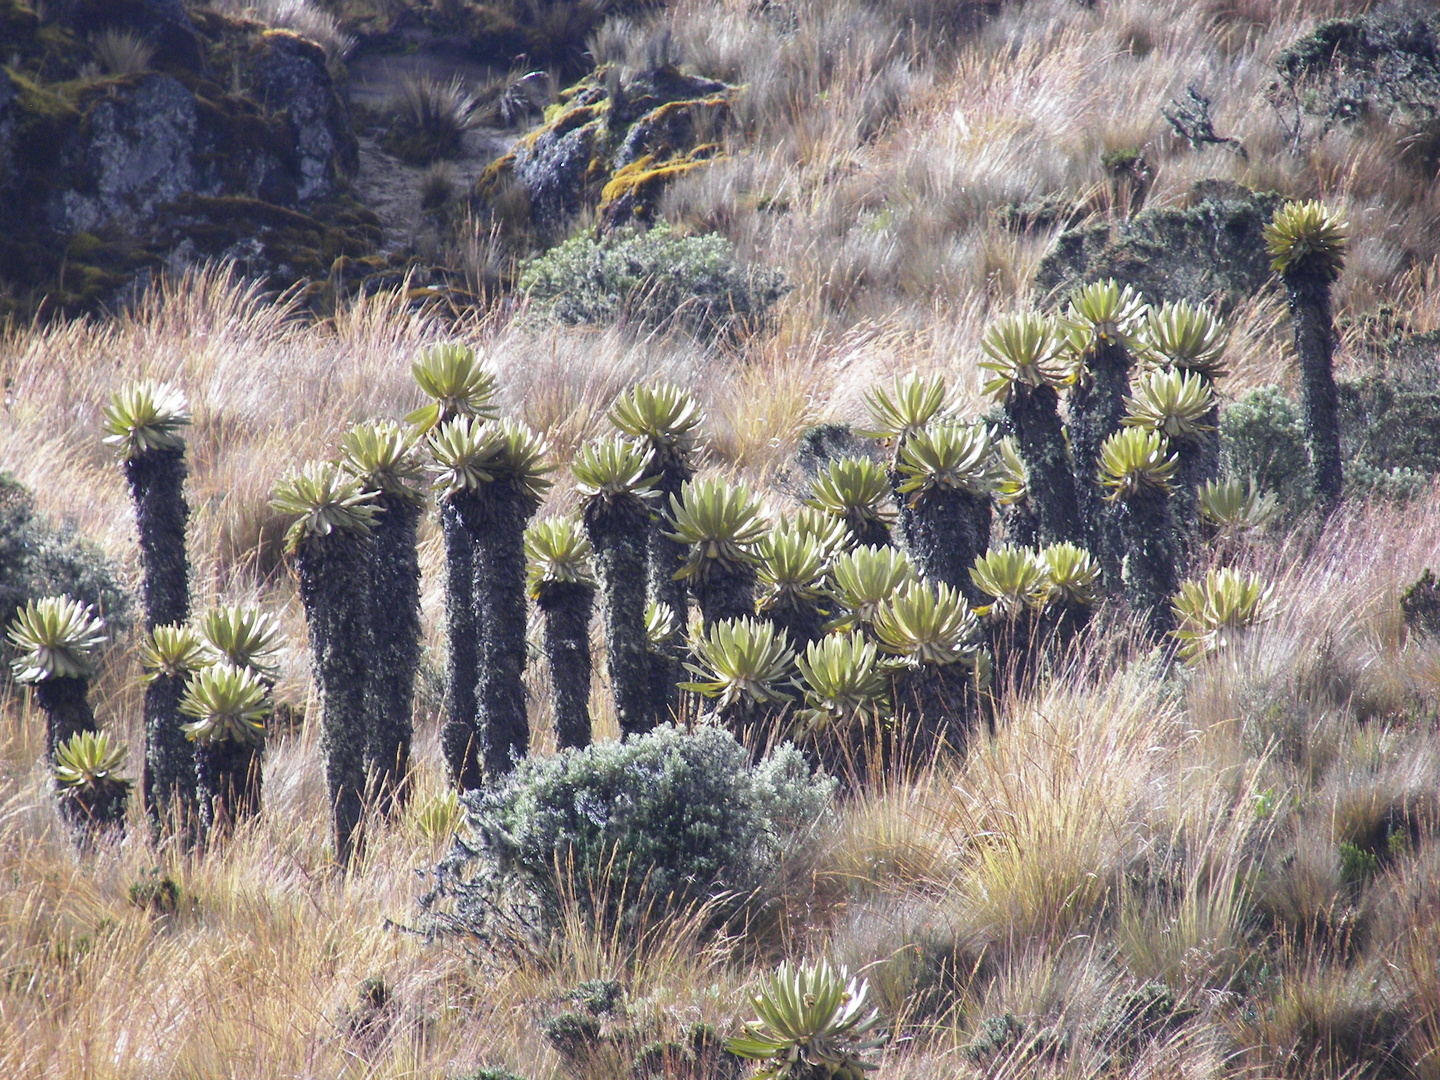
x,y
1118,827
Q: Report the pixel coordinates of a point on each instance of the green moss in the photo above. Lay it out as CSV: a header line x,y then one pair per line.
x,y
663,125
633,190
44,51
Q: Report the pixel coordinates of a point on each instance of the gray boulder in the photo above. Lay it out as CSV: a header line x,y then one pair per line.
x,y
290,76
135,153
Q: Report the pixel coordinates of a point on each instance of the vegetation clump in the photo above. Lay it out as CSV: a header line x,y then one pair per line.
x,y
812,1022
651,279
669,814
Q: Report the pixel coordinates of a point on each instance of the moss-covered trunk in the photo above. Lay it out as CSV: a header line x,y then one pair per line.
x,y
871,534
1148,569
937,710
334,587
168,786
1309,296
1097,405
725,592
458,737
94,809
1035,414
566,609
1063,623
802,622
666,675
66,702
230,780
67,710
1184,501
618,538
948,530
757,727
664,557
497,518
1017,644
157,486
395,592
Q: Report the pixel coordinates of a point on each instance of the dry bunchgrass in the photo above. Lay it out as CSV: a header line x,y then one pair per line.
x,y
1256,833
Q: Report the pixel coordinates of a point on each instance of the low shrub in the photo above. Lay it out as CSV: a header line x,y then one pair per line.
x,y
1262,439
653,279
1420,603
38,558
672,815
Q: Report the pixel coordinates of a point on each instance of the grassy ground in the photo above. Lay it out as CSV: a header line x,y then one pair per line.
x,y
1257,836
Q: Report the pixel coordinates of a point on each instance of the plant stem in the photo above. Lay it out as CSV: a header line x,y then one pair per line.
x,y
396,629
566,608
458,737
618,538
334,587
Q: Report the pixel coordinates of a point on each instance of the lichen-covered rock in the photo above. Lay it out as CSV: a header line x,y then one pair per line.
x,y
613,145
263,240
132,151
290,75
1212,251
101,176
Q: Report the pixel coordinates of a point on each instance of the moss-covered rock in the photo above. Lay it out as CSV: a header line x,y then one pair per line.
x,y
164,24
612,145
104,180
1210,251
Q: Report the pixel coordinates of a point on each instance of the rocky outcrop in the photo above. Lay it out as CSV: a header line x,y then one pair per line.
x,y
164,24
1211,252
612,145
106,178
289,76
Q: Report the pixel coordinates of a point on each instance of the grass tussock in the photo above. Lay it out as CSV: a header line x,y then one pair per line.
x,y
1222,870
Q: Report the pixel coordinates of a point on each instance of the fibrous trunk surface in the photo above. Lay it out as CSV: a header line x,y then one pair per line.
x,y
947,531
396,627
1097,405
1148,569
67,709
157,486
1041,437
726,592
618,539
458,738
1309,297
230,781
498,586
334,587
566,610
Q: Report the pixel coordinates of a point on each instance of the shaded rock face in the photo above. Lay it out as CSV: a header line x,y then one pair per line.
x,y
290,75
101,177
163,23
134,152
613,146
1214,251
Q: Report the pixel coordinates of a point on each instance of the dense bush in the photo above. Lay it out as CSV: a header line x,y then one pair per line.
x,y
1261,438
39,559
1383,64
684,813
1390,436
652,278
